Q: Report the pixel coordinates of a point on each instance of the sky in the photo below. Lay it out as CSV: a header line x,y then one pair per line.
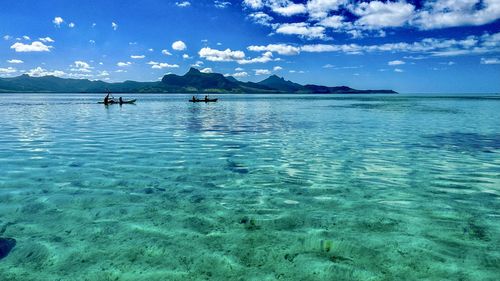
x,y
428,46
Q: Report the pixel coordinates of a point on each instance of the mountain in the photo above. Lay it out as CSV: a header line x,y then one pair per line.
x,y
194,81
282,85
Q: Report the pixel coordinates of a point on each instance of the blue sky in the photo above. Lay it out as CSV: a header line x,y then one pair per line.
x,y
409,46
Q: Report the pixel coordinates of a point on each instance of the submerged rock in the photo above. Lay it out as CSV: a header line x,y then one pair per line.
x,y
6,245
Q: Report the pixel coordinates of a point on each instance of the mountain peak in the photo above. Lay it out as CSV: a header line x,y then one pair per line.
x,y
193,70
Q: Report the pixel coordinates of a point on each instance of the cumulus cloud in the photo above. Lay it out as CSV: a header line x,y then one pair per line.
x,y
35,46
240,74
114,25
281,49
166,52
377,14
370,17
302,29
58,21
206,70
217,55
398,70
81,66
26,37
161,65
71,25
262,71
39,72
7,70
254,4
123,64
266,57
261,18
186,56
277,68
396,62
197,64
179,46
137,56
319,9
183,4
448,13
15,61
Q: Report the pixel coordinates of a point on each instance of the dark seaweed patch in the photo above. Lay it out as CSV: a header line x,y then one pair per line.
x,y
6,245
468,142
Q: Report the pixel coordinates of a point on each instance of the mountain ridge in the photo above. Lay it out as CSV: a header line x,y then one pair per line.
x,y
194,81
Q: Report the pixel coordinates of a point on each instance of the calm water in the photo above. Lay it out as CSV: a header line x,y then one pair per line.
x,y
261,187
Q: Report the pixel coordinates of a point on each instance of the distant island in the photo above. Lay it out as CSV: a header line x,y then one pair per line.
x,y
193,81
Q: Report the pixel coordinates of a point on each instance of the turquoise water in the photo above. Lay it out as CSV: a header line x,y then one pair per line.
x,y
259,187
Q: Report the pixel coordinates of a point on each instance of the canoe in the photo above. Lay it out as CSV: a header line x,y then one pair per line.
x,y
118,102
203,100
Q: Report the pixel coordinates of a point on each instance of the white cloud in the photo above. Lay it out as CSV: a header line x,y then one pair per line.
x,y
114,25
221,4
7,37
103,73
490,61
94,24
178,46
26,37
151,50
319,9
281,49
15,61
302,29
58,21
396,62
262,72
186,56
449,13
206,70
377,14
166,52
333,22
46,40
35,46
254,4
398,70
266,57
261,18
217,55
39,72
81,66
286,7
137,56
91,41
197,64
161,65
123,64
277,68
71,25
240,74
7,70
238,69
183,4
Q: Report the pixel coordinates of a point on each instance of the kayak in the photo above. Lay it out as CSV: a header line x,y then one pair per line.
x,y
203,100
118,102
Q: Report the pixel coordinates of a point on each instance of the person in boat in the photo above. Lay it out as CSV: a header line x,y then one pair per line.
x,y
206,98
121,100
106,99
194,98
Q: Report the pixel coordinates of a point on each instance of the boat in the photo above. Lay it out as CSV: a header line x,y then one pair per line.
x,y
118,102
203,100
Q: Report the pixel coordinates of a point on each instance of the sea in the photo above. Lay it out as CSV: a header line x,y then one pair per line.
x,y
252,187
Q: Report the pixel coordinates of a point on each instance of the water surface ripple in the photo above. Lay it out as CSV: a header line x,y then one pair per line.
x,y
255,187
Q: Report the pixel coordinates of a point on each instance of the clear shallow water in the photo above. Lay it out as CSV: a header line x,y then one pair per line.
x,y
258,187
